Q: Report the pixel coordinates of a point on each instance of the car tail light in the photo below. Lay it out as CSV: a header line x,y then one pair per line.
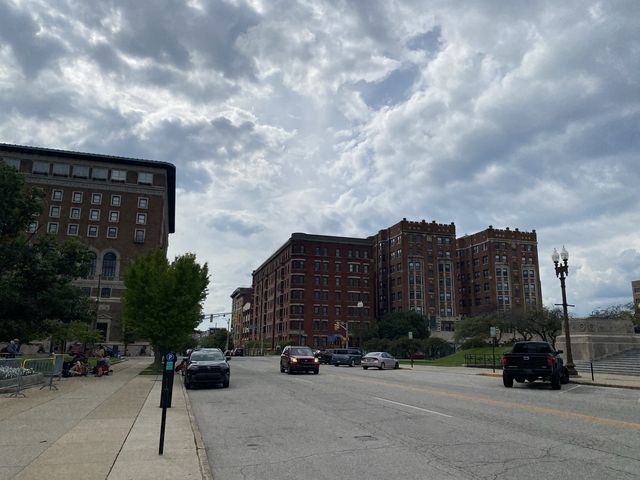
x,y
505,361
549,361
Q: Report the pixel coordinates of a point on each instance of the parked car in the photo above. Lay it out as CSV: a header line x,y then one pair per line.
x,y
325,355
379,360
298,359
533,360
208,365
346,356
238,352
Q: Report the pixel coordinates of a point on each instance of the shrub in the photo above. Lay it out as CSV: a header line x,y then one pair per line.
x,y
475,342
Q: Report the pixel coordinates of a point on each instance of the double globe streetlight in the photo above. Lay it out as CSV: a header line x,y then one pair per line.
x,y
562,271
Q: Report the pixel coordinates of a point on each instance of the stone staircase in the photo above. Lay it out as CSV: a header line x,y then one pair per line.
x,y
625,363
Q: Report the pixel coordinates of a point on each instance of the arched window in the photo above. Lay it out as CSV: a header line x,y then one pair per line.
x,y
92,264
109,265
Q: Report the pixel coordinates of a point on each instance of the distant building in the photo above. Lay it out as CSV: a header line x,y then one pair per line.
x,y
119,207
308,285
241,326
313,285
635,286
498,270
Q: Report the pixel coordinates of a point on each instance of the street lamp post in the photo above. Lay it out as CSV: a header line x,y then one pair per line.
x,y
360,307
562,271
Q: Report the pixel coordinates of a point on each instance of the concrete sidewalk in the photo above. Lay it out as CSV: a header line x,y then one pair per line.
x,y
100,428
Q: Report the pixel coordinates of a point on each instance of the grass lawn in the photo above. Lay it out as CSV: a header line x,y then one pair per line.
x,y
152,370
457,359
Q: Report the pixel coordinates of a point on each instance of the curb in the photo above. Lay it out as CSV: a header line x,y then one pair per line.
x,y
201,451
577,382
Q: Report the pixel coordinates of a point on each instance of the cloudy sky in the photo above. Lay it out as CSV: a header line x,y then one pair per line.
x,y
343,117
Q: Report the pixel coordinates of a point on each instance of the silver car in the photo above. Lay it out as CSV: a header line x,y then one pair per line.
x,y
379,360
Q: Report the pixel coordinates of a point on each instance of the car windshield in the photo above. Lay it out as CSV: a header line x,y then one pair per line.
x,y
301,351
206,356
373,354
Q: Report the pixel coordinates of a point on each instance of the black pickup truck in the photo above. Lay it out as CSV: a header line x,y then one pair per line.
x,y
531,361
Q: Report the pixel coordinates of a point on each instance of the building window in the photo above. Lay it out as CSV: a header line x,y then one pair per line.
x,y
76,197
141,219
118,176
12,162
109,264
116,200
74,213
54,211
61,169
114,216
99,173
40,168
72,229
105,292
112,232
94,215
96,198
145,178
92,264
143,202
92,231
52,227
139,236
80,171
56,195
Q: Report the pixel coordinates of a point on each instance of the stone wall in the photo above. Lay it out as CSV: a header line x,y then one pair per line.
x,y
597,338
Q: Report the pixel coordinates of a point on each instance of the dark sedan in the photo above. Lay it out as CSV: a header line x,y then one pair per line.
x,y
207,366
298,359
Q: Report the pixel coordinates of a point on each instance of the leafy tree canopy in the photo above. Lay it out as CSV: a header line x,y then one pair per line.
x,y
35,272
163,301
399,324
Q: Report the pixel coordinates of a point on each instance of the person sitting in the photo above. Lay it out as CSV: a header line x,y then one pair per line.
x,y
78,369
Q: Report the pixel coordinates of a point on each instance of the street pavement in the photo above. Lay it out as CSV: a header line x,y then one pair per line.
x,y
109,427
100,428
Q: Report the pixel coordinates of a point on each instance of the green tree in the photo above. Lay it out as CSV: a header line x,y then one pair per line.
x,y
546,323
399,324
163,301
435,347
35,272
626,311
217,340
474,327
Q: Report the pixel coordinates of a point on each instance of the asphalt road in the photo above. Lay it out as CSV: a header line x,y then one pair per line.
x,y
436,423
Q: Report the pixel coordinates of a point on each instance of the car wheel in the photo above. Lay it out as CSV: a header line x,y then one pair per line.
x,y
364,368
289,371
316,371
565,376
382,367
187,383
281,369
555,381
352,363
225,384
396,366
507,381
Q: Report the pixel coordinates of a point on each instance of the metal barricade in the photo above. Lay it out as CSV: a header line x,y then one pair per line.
x,y
45,366
11,375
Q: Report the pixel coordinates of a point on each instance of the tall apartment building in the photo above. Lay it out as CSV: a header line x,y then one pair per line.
x,y
308,285
119,207
497,270
241,326
314,281
415,268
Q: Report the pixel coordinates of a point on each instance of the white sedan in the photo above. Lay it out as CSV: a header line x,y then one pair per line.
x,y
380,360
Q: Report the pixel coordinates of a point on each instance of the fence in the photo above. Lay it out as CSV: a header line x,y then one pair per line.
x,y
482,360
19,373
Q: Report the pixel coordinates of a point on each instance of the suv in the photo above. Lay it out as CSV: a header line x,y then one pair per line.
x,y
298,359
346,356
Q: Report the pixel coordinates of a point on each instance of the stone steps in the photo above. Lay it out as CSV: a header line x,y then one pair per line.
x,y
626,363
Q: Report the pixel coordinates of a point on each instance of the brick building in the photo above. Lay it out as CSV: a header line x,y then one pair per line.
x,y
241,326
313,282
308,285
497,270
119,207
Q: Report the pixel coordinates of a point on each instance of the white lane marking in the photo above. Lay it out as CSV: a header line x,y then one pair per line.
x,y
411,406
565,391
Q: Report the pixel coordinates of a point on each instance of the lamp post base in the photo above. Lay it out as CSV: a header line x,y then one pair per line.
x,y
571,369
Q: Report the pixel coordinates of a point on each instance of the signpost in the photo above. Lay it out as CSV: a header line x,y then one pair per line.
x,y
166,393
493,333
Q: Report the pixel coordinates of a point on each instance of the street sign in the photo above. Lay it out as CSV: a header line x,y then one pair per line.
x,y
492,331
